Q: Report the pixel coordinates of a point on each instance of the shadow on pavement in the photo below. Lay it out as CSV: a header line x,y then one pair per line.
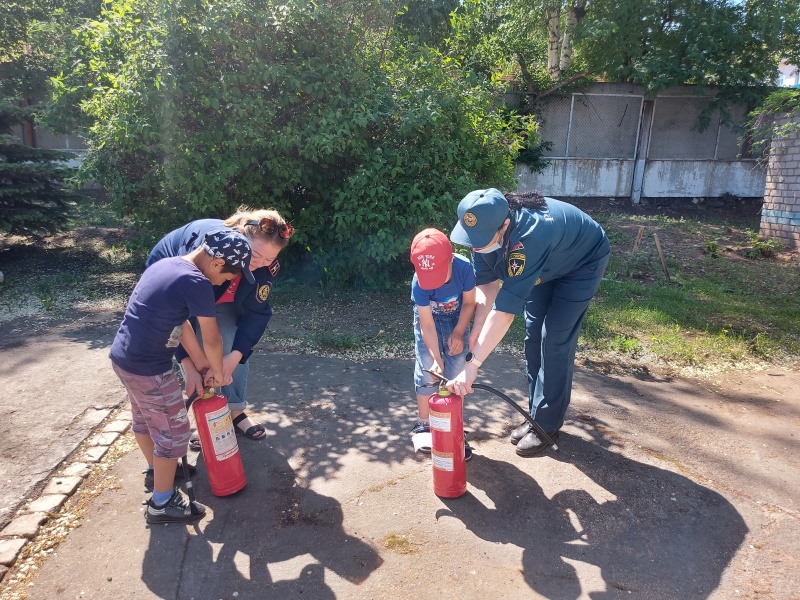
x,y
254,536
647,531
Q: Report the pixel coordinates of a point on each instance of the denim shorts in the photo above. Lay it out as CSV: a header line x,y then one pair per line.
x,y
158,410
425,383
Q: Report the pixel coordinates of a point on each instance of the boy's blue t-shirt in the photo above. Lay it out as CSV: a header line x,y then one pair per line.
x,y
445,301
253,311
169,292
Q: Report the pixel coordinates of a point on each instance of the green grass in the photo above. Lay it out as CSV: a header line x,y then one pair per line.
x,y
721,307
731,300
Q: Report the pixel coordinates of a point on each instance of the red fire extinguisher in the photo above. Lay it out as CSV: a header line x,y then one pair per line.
x,y
447,444
218,442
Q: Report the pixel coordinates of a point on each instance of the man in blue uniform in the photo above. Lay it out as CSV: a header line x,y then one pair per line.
x,y
550,257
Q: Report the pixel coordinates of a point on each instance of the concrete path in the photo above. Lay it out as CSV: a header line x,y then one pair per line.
x,y
661,490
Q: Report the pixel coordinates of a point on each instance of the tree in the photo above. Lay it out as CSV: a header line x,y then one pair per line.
x,y
730,44
33,200
314,109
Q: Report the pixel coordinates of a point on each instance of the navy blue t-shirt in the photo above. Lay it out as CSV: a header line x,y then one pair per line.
x,y
445,301
169,292
253,311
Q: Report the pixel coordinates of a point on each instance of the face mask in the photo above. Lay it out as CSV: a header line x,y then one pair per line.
x,y
489,249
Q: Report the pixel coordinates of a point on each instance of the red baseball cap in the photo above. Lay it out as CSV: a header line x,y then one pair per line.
x,y
431,253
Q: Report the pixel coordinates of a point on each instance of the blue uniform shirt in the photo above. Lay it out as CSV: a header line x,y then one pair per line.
x,y
540,245
445,301
252,309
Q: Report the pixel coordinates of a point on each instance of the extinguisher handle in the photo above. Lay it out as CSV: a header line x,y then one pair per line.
x,y
441,378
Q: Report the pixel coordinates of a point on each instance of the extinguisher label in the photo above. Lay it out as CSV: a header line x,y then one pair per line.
x,y
223,437
442,460
439,421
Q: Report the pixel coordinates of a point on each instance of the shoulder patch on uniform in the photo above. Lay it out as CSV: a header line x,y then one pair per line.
x,y
516,264
263,292
274,268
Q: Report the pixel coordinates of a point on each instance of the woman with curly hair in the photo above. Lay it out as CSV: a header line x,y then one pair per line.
x,y
243,309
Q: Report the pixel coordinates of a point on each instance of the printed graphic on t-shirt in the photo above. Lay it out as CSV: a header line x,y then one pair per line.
x,y
445,307
175,337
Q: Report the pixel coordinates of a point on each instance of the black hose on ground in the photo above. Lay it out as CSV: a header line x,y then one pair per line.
x,y
479,386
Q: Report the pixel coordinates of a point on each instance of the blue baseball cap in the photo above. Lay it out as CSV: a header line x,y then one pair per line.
x,y
232,247
480,214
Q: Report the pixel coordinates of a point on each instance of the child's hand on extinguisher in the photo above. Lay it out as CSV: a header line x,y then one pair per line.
x,y
213,379
192,378
437,367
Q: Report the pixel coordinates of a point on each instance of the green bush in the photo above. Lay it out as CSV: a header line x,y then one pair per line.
x,y
198,107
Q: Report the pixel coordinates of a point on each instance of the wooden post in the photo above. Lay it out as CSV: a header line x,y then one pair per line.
x,y
661,255
638,239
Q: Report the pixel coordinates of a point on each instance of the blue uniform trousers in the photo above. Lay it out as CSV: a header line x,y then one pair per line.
x,y
553,316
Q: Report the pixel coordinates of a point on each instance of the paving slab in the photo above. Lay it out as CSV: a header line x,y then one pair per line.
x,y
24,526
77,469
9,549
94,454
104,438
47,503
63,485
662,489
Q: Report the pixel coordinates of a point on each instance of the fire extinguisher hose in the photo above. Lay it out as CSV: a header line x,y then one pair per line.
x,y
185,464
479,386
538,428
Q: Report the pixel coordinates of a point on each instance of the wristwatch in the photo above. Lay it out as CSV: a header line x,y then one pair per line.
x,y
471,359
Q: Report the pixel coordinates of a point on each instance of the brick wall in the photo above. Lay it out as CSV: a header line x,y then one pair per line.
x,y
780,217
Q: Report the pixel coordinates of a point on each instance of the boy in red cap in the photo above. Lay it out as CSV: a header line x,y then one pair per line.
x,y
443,292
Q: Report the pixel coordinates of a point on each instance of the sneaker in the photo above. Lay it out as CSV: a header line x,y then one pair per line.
x,y
421,428
467,451
178,509
149,476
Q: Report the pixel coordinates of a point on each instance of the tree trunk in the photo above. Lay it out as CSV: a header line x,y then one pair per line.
x,y
553,27
574,15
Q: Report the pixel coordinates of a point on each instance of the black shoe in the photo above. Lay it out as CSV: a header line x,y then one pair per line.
x,y
520,432
149,476
178,509
532,444
467,452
